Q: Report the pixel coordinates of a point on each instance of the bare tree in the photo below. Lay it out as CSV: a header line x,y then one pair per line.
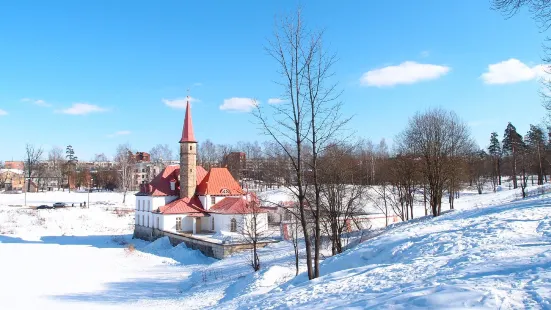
x,y
32,160
435,138
253,229
540,10
287,123
208,156
160,155
124,160
341,199
56,159
310,115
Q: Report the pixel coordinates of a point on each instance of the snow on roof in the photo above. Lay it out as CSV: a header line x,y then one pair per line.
x,y
16,171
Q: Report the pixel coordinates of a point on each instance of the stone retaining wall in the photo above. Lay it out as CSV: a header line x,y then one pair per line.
x,y
210,249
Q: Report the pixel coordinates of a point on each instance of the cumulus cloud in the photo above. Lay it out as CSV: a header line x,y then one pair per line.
x,y
38,102
3,112
82,109
179,103
511,71
408,72
119,133
239,104
276,100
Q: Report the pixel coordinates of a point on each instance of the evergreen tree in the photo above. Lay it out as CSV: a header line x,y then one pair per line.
x,y
512,143
495,151
71,164
535,142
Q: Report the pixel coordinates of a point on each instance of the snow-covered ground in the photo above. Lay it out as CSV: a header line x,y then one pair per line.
x,y
105,199
494,251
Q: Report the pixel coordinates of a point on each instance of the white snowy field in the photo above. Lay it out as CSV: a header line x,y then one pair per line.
x,y
493,251
73,197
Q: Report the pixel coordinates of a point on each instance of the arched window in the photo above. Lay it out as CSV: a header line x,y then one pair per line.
x,y
225,191
212,227
233,225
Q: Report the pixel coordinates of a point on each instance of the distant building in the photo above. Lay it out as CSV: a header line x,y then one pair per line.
x,y
187,199
142,157
236,163
11,179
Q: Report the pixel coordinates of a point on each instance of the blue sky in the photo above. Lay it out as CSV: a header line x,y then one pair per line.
x,y
95,74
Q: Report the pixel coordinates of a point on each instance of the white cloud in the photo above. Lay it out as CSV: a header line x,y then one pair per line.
x,y
239,104
82,109
198,84
179,103
3,112
425,54
38,102
511,71
276,100
408,72
119,133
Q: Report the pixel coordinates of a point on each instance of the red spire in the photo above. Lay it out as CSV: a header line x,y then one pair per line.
x,y
187,133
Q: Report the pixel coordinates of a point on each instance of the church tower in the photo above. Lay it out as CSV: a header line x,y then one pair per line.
x,y
188,158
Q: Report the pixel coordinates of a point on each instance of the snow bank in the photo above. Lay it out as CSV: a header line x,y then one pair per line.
x,y
180,253
492,257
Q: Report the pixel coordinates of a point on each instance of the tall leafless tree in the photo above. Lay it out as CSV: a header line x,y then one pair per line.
x,y
160,155
32,160
253,229
56,160
436,138
124,160
341,199
309,116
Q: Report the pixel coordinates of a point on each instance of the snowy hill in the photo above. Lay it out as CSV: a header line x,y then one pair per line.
x,y
482,257
494,251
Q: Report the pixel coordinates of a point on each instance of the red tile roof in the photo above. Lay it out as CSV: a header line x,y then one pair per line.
x,y
201,173
187,132
160,185
217,180
192,206
235,205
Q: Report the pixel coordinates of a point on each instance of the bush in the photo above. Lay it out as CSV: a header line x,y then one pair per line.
x,y
130,248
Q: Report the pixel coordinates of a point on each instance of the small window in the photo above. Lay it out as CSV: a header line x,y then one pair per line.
x,y
147,221
225,191
212,200
149,205
233,225
143,220
190,170
178,223
212,226
158,223
190,147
